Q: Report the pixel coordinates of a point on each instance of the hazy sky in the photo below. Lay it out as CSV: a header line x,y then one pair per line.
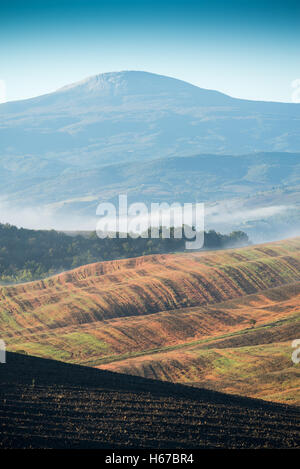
x,y
245,49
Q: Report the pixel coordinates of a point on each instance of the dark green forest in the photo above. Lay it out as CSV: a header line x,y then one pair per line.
x,y
27,255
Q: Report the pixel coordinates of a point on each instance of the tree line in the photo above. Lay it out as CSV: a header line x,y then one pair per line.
x,y
27,255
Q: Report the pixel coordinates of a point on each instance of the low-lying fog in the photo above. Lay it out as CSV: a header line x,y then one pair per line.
x,y
262,223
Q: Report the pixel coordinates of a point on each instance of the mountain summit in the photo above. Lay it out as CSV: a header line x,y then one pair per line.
x,y
138,83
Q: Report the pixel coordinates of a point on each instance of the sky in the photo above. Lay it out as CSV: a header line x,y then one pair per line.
x,y
245,49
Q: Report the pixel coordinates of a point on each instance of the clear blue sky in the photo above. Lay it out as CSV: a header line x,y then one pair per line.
x,y
245,49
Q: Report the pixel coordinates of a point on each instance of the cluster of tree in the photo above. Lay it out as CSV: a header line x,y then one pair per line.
x,y
27,255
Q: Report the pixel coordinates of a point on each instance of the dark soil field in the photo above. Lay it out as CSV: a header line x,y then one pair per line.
x,y
50,404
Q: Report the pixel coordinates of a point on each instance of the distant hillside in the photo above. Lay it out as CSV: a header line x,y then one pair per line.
x,y
47,404
77,189
223,320
27,255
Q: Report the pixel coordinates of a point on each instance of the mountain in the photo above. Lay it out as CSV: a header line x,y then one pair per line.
x,y
132,115
155,137
224,320
48,404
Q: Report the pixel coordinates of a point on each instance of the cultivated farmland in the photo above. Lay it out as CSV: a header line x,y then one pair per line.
x,y
222,320
48,404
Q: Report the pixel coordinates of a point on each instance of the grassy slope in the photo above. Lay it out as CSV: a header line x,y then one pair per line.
x,y
164,317
262,370
48,404
237,357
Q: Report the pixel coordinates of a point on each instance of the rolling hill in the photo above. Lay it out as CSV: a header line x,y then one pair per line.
x,y
223,320
49,404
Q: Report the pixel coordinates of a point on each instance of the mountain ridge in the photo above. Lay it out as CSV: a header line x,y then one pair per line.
x,y
126,80
133,81
98,81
